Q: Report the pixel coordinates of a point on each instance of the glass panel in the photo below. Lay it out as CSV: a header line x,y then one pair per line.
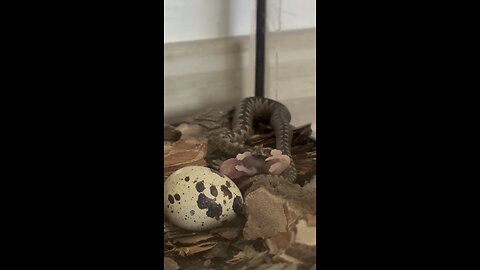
x,y
209,54
291,57
210,170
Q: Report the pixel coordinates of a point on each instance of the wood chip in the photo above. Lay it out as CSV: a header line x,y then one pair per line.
x,y
192,239
274,206
278,266
170,264
170,133
188,251
190,130
248,253
311,220
284,215
287,258
182,153
219,251
305,234
258,259
229,233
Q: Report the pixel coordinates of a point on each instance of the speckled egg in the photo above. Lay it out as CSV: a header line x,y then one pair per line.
x,y
199,198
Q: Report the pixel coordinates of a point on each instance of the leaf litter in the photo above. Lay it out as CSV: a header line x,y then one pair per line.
x,y
225,247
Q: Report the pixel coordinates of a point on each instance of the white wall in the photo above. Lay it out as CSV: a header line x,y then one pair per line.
x,y
206,73
186,20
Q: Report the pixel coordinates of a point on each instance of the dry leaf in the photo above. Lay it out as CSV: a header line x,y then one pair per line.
x,y
237,258
287,258
188,251
170,264
257,259
175,235
167,147
248,253
306,235
277,266
182,153
219,251
190,130
173,232
192,239
278,242
167,227
207,263
170,133
312,184
241,243
311,220
229,233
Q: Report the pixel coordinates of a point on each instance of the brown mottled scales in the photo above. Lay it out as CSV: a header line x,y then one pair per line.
x,y
233,141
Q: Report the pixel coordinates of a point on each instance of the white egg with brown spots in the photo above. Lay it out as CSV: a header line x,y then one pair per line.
x,y
199,198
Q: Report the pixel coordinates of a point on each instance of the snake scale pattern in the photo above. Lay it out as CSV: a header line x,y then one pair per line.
x,y
277,115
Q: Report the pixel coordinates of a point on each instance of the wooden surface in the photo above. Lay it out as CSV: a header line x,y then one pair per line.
x,y
215,72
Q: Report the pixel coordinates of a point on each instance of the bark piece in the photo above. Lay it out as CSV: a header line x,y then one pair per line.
x,y
312,184
207,263
170,264
278,266
305,254
191,250
229,233
191,130
184,152
248,254
284,215
170,133
265,214
219,251
297,246
192,239
273,206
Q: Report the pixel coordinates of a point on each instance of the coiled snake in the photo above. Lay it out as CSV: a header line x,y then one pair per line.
x,y
277,115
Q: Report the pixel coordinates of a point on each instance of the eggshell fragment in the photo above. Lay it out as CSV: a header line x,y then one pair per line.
x,y
199,198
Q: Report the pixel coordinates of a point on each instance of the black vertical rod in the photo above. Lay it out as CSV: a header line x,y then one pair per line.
x,y
260,49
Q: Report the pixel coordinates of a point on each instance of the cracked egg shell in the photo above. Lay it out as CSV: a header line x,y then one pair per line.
x,y
199,198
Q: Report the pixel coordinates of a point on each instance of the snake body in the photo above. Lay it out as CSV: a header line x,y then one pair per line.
x,y
276,114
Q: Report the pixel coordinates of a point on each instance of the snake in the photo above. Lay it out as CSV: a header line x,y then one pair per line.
x,y
232,141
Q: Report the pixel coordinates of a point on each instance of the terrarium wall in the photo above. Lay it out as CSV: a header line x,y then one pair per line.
x,y
209,48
